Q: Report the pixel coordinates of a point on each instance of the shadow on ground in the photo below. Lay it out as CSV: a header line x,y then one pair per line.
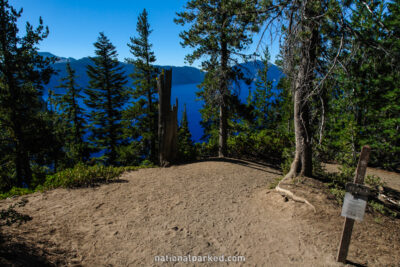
x,y
16,253
247,163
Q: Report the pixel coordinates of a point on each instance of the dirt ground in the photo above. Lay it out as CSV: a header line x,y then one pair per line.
x,y
207,208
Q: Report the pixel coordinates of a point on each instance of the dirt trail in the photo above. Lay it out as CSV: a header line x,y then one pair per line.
x,y
206,208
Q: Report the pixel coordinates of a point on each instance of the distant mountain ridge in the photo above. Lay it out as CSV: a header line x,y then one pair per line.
x,y
180,75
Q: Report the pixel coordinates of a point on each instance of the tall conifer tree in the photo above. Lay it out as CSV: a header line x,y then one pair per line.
x,y
186,149
73,117
219,31
143,113
22,75
264,98
365,108
107,97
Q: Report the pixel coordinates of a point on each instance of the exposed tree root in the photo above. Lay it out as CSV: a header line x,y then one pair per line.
x,y
289,194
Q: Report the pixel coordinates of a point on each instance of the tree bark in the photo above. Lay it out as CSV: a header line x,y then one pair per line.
x,y
110,113
223,116
302,163
152,121
223,121
168,121
22,162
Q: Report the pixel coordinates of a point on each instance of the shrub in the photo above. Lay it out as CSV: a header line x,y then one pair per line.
x,y
83,176
79,176
379,207
287,158
374,182
337,184
146,163
206,150
338,193
267,145
16,191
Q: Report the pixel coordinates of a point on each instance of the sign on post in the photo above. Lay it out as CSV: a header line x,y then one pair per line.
x,y
354,203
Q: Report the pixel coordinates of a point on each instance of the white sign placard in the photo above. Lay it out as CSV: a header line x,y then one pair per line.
x,y
353,208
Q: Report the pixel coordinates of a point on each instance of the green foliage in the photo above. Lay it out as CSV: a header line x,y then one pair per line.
x,y
106,98
217,35
207,149
215,22
140,119
374,182
379,207
338,193
267,145
364,104
129,154
337,184
264,99
79,176
25,137
287,159
72,119
82,176
186,148
337,181
147,164
16,191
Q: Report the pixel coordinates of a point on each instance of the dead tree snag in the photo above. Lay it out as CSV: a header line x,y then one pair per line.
x,y
167,121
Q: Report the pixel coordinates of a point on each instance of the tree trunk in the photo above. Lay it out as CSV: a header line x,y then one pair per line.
x,y
168,121
302,163
112,145
223,121
223,116
152,121
22,163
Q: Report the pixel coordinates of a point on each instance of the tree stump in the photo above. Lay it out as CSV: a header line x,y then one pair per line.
x,y
167,121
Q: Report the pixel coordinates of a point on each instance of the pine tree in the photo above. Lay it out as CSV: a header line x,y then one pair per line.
x,y
219,31
364,108
264,99
72,116
56,127
107,97
142,115
22,75
186,149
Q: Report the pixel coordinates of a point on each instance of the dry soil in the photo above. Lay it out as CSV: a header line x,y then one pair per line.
x,y
207,208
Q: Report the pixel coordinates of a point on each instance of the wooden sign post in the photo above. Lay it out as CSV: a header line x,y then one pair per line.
x,y
353,207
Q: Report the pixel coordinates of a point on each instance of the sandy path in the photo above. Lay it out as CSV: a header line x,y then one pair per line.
x,y
206,208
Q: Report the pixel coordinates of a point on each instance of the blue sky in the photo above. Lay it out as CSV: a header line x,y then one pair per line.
x,y
75,25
